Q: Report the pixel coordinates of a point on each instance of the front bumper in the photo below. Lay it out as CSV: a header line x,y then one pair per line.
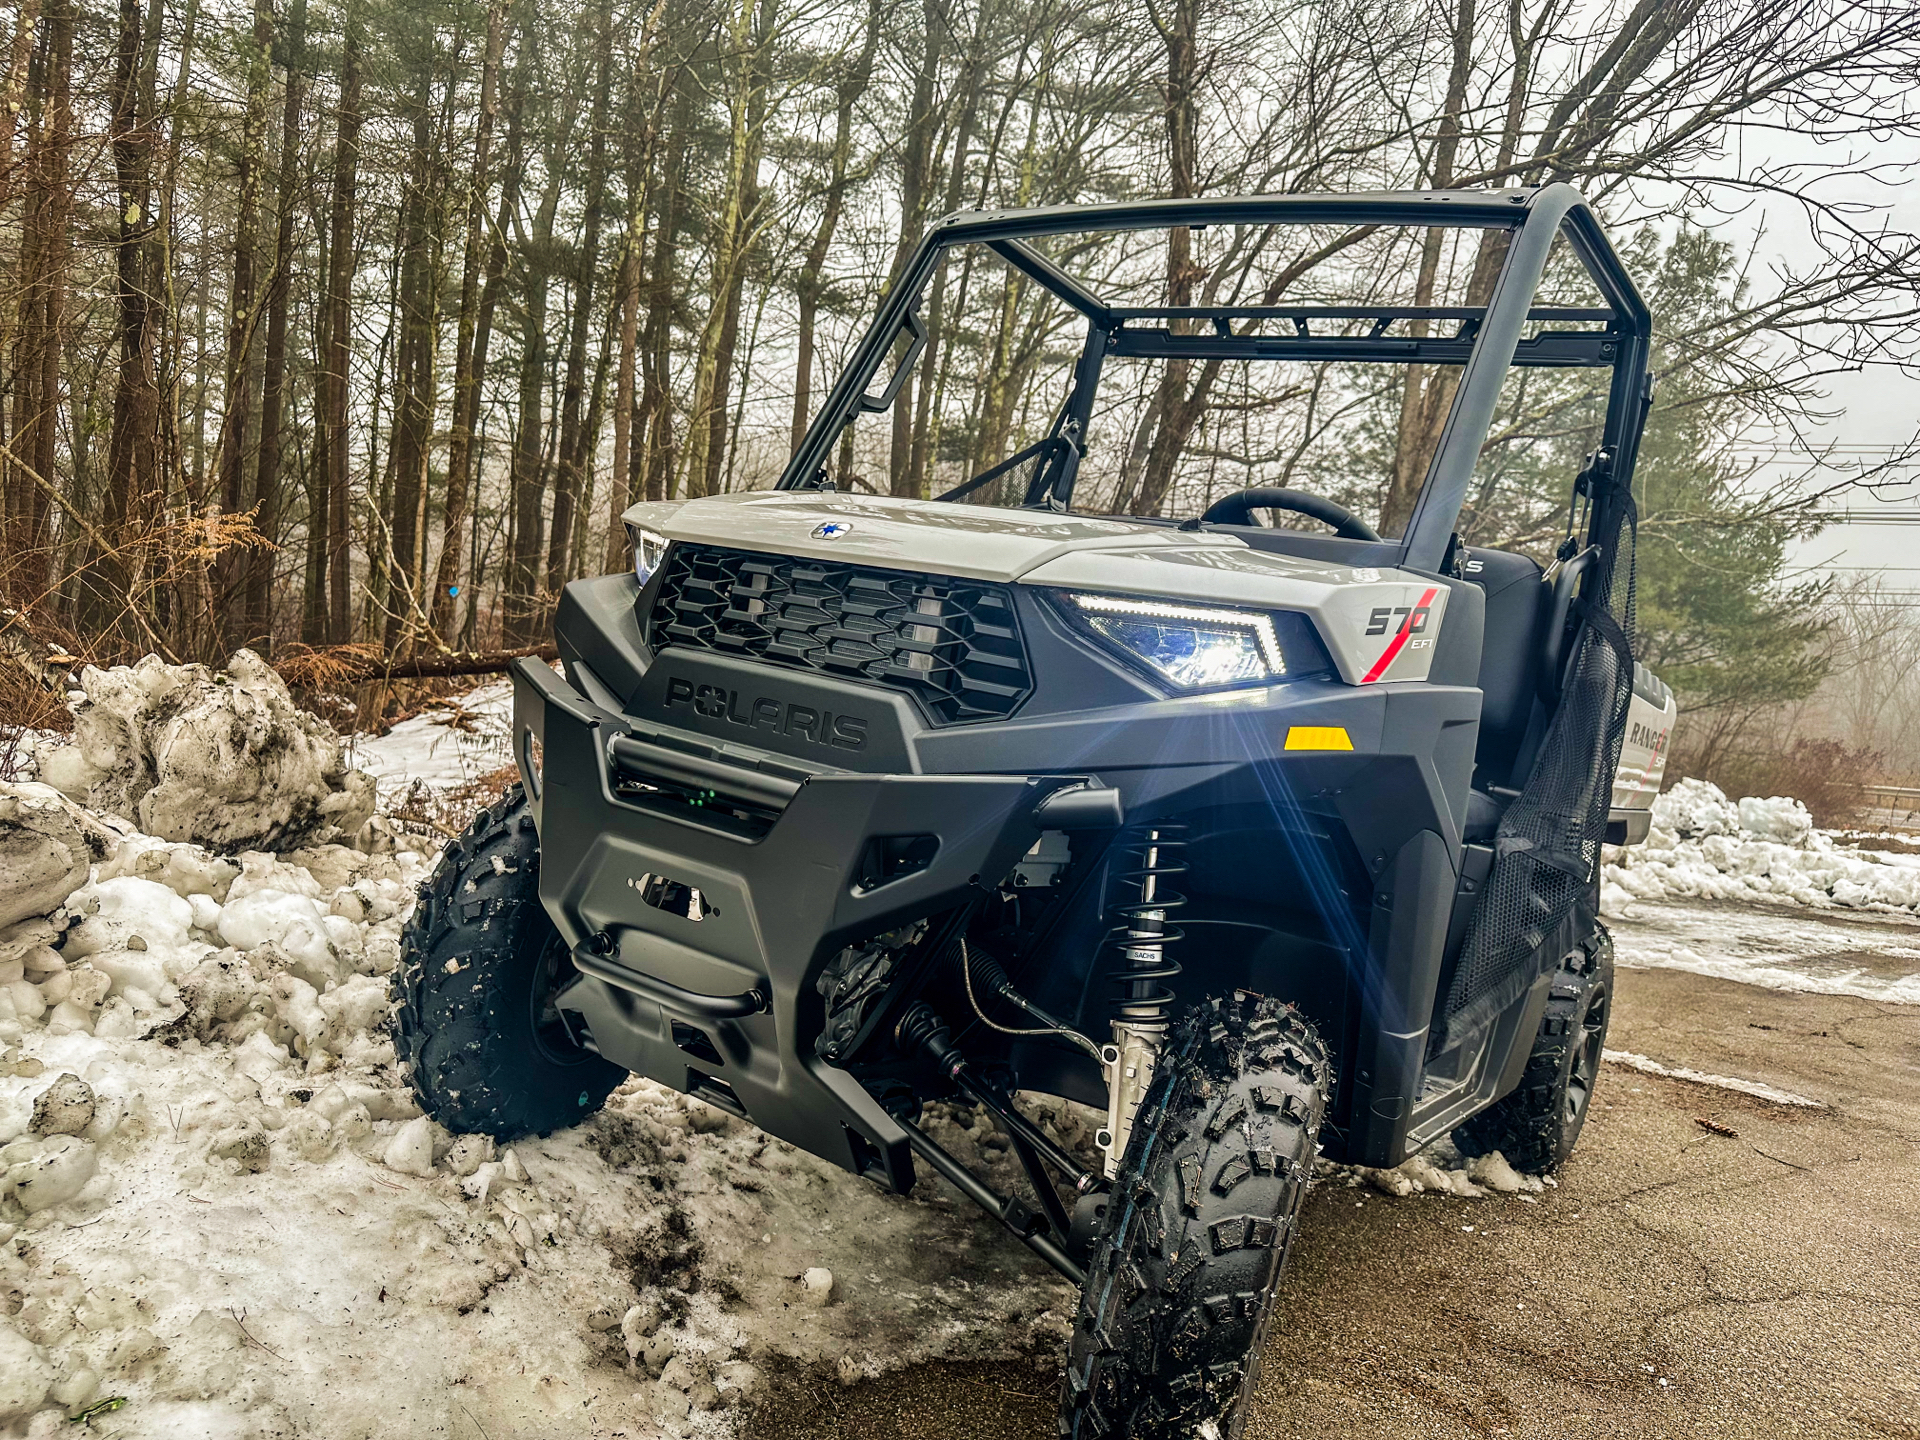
x,y
724,1006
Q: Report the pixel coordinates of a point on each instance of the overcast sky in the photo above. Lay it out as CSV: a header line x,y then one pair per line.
x,y
1878,410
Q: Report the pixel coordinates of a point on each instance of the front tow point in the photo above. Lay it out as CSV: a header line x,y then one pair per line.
x,y
592,956
1080,807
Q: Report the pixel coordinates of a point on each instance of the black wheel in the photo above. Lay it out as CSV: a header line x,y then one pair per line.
x,y
1537,1126
474,1022
1187,1265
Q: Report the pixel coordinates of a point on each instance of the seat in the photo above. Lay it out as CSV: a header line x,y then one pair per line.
x,y
1509,664
1483,817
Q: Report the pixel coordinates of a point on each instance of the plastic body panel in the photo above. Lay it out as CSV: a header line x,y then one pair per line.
x,y
783,906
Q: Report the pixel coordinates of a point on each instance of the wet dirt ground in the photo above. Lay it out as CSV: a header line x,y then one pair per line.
x,y
1677,1282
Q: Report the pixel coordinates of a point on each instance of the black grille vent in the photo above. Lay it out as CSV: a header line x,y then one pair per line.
x,y
952,644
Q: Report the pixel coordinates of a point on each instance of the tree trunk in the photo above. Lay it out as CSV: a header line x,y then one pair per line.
x,y
748,41
573,440
916,184
172,336
266,485
926,397
627,321
13,96
639,145
133,497
13,88
527,485
1179,35
1427,392
413,372
242,318
44,245
330,612
752,204
812,282
470,344
994,410
377,503
715,423
582,548
656,399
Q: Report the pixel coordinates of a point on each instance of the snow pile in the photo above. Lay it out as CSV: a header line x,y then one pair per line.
x,y
1696,810
220,1205
1703,845
1778,818
225,760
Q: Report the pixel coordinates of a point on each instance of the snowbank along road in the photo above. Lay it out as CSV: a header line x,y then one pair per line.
x,y
221,1215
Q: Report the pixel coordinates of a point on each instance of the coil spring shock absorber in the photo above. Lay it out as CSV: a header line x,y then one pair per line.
x,y
1147,859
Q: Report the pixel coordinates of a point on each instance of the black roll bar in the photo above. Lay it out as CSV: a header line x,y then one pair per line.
x,y
1488,342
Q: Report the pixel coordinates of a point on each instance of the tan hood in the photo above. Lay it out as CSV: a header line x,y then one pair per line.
x,y
1377,624
976,541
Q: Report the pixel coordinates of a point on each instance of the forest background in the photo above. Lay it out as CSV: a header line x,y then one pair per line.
x,y
357,323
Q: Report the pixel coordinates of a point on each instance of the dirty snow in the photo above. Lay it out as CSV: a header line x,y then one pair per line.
x,y
223,1206
224,759
1440,1169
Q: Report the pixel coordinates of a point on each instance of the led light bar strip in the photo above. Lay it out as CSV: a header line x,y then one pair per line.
x,y
1261,625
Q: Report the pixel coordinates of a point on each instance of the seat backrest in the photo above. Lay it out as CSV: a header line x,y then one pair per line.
x,y
1509,655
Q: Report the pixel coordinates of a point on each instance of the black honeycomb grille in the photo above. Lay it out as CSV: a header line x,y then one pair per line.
x,y
952,644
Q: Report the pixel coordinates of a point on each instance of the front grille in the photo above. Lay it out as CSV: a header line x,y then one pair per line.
x,y
952,644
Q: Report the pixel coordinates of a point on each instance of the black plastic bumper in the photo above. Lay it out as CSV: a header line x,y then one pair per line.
x,y
724,1006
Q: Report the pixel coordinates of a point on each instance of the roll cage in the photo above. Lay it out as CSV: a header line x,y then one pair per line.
x,y
1485,341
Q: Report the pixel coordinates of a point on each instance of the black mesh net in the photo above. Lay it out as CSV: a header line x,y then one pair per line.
x,y
1547,846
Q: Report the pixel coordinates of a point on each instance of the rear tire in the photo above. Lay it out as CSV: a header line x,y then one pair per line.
x,y
1187,1266
473,1023
1537,1126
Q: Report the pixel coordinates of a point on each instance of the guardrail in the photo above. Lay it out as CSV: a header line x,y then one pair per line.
x,y
1893,807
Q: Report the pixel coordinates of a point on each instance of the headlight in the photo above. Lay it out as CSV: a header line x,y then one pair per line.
x,y
1191,647
648,550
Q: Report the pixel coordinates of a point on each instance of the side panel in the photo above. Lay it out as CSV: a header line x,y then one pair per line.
x,y
1411,903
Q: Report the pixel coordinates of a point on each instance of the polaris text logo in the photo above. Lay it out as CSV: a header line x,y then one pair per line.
x,y
716,702
831,530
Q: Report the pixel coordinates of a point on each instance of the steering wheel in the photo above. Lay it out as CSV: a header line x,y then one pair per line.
x,y
1238,508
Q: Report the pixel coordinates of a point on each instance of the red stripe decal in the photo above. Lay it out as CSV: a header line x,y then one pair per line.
x,y
1647,769
1399,640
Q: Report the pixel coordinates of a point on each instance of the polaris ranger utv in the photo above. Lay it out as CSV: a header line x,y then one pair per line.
x,y
1266,842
